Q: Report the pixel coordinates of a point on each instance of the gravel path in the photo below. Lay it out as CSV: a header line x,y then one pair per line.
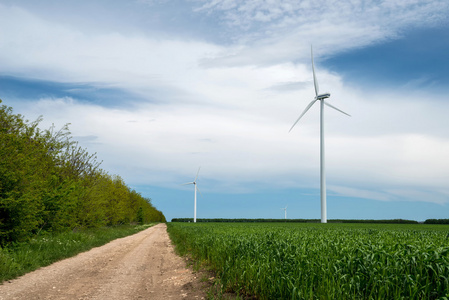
x,y
141,266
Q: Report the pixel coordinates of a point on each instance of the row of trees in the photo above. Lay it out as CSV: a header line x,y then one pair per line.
x,y
394,221
436,221
48,182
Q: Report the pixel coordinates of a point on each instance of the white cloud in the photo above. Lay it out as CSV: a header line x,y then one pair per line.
x,y
221,106
240,147
54,52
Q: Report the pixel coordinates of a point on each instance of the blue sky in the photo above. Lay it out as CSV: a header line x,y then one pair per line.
x,y
159,88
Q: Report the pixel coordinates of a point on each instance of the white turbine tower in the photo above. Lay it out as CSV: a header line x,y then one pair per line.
x,y
196,188
285,211
321,98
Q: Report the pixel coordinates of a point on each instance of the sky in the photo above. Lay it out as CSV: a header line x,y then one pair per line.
x,y
161,88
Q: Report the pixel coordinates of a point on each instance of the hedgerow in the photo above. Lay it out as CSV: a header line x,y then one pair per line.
x,y
49,183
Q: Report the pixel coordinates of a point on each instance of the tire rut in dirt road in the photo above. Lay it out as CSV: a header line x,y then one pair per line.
x,y
141,266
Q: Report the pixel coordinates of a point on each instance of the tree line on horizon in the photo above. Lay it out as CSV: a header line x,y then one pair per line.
x,y
48,183
221,220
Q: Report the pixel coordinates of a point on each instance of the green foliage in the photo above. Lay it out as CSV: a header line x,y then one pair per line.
x,y
322,261
49,183
436,221
140,216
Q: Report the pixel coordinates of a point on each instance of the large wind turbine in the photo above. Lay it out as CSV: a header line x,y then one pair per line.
x,y
321,98
285,211
196,188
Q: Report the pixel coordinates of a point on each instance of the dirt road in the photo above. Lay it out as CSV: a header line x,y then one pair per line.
x,y
141,266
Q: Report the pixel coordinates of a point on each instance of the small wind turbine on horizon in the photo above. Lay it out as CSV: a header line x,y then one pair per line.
x,y
321,98
285,211
196,189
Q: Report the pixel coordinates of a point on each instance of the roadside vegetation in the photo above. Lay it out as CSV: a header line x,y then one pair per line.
x,y
321,261
49,184
43,249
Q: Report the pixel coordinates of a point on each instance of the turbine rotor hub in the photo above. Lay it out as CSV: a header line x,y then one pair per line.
x,y
323,96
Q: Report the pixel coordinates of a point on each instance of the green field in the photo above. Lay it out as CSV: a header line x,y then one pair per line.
x,y
322,261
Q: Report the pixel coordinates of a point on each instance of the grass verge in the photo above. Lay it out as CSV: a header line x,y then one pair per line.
x,y
45,249
207,274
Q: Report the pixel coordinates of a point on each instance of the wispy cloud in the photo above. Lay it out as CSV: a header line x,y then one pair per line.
x,y
273,31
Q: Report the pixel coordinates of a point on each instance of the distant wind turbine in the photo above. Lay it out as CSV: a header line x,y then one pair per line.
x,y
285,211
321,98
196,188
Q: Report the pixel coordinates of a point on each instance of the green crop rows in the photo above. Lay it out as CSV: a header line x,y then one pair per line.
x,y
322,261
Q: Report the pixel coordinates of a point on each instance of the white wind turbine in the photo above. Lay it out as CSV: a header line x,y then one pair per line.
x,y
321,98
285,211
196,188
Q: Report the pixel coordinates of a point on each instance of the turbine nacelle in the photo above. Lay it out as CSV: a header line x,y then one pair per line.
x,y
323,96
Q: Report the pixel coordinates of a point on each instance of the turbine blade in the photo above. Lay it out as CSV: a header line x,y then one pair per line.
x,y
335,108
196,177
187,183
303,113
199,191
315,81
